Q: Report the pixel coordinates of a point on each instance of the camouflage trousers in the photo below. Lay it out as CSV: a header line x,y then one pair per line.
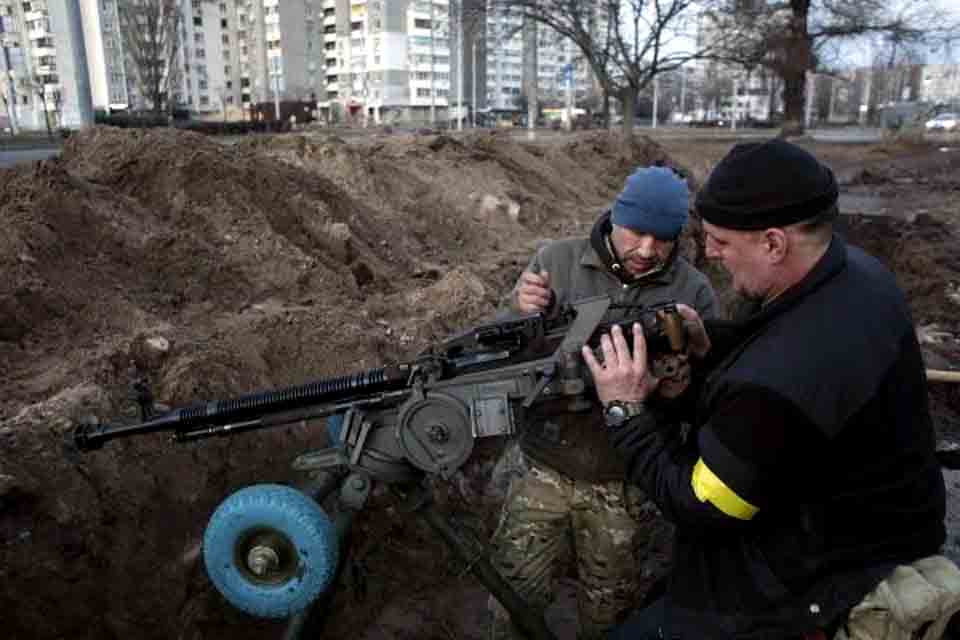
x,y
546,510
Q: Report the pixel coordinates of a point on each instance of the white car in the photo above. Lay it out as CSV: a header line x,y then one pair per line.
x,y
944,122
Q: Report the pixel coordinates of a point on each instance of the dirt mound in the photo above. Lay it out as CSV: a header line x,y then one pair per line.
x,y
210,270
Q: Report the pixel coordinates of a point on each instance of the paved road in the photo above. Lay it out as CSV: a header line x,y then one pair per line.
x,y
8,158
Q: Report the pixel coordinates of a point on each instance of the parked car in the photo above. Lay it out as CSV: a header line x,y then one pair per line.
x,y
944,122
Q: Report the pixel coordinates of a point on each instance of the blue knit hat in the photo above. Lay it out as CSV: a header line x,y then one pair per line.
x,y
654,200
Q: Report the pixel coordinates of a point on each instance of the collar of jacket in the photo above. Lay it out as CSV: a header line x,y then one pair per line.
x,y
600,257
830,264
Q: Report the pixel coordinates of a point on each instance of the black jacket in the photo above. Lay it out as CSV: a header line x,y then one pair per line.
x,y
814,418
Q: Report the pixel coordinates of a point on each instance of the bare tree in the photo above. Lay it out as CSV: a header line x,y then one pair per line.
x,y
38,85
151,41
222,94
793,37
626,43
8,107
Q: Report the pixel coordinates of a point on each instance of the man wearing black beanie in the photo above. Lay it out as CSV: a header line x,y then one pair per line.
x,y
810,474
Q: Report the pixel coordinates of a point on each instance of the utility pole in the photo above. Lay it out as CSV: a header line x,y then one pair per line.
x,y
474,87
733,107
460,74
683,94
79,56
808,115
433,57
530,64
276,96
570,90
656,98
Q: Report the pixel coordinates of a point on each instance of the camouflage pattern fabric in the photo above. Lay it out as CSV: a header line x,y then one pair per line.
x,y
546,510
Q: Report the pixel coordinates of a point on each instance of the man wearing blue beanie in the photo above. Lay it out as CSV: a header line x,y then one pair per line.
x,y
573,488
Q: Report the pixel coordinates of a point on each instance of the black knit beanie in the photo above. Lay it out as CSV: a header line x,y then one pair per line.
x,y
759,185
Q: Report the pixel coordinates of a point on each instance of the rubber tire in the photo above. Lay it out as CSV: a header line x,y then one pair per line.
x,y
286,510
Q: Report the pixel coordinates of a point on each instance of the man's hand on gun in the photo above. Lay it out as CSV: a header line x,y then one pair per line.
x,y
533,293
622,375
626,376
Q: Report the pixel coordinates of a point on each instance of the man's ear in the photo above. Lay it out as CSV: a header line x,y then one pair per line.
x,y
776,243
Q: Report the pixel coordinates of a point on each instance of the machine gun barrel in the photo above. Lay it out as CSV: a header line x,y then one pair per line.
x,y
251,406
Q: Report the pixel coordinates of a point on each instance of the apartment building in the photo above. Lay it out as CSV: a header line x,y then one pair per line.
x,y
504,65
36,63
386,60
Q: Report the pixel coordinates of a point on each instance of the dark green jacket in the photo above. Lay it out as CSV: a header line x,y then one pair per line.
x,y
576,444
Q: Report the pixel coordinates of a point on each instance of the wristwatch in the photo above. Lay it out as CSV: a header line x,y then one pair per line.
x,y
617,413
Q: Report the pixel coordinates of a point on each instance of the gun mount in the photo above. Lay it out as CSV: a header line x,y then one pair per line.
x,y
399,424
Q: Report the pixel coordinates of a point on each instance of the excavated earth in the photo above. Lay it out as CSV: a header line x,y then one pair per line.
x,y
212,270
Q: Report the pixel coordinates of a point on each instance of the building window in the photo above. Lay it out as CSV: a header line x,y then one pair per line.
x,y
202,85
197,21
204,101
200,53
423,93
229,99
356,26
229,84
225,39
421,24
226,70
223,23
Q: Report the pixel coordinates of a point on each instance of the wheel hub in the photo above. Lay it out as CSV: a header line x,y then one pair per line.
x,y
266,556
262,560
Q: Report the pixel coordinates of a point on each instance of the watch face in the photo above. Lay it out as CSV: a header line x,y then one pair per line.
x,y
616,411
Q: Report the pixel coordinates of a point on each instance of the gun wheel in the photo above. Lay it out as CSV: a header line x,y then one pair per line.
x,y
270,550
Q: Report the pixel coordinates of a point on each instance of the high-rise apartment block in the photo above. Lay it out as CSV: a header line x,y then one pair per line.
x,y
31,57
365,60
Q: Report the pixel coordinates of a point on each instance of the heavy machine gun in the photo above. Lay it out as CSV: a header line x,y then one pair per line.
x,y
271,550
